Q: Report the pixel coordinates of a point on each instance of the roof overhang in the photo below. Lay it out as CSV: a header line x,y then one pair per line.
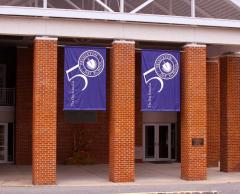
x,y
102,29
117,16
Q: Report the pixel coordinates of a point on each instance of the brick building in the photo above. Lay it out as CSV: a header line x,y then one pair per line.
x,y
35,130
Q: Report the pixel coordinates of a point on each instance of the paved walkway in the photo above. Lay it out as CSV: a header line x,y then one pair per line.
x,y
226,188
148,175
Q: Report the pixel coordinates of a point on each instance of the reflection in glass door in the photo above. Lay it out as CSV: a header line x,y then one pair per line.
x,y
3,143
150,142
164,143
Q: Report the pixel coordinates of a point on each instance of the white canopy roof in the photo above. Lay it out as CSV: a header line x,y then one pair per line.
x,y
222,9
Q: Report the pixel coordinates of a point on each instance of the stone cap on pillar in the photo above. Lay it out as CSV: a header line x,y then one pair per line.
x,y
230,54
123,42
194,45
213,60
46,38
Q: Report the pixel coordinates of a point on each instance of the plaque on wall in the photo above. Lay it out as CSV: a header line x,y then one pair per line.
x,y
196,142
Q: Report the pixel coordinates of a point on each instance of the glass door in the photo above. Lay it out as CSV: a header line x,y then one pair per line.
x,y
3,143
164,142
157,142
149,142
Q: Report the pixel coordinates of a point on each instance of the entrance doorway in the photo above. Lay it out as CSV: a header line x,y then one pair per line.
x,y
3,142
159,142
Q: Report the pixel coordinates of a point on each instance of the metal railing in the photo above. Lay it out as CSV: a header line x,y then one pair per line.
x,y
7,96
222,9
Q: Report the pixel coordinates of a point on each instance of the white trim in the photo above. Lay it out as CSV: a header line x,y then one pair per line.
x,y
123,42
145,18
45,38
195,45
93,29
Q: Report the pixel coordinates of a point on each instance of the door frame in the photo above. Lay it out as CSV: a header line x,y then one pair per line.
x,y
156,141
5,142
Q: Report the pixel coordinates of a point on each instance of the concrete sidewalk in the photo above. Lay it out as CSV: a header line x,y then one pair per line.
x,y
226,188
97,175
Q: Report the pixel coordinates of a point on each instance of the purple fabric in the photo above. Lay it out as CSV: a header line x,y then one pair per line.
x,y
160,80
84,78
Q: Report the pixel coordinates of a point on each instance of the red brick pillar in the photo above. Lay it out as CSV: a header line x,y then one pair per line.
x,y
122,111
44,111
230,113
193,113
213,108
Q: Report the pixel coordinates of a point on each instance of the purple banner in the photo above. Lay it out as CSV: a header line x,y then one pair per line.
x,y
160,80
84,78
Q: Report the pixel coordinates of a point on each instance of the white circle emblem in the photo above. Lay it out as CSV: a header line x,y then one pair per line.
x,y
91,63
166,66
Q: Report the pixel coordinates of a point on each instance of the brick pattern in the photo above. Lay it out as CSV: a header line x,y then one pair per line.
x,y
23,146
96,133
193,112
213,108
122,112
44,111
230,111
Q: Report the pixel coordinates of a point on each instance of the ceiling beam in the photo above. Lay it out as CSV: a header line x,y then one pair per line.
x,y
72,4
141,6
104,5
235,2
122,6
200,10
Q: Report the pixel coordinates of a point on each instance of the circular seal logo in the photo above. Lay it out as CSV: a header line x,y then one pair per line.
x,y
166,66
91,63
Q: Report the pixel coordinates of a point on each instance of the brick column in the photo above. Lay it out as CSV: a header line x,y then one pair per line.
x,y
122,111
193,113
213,108
230,113
44,111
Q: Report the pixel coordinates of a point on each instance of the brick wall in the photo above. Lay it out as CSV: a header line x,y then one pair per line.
x,y
213,100
23,134
193,112
230,111
97,133
44,111
122,112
